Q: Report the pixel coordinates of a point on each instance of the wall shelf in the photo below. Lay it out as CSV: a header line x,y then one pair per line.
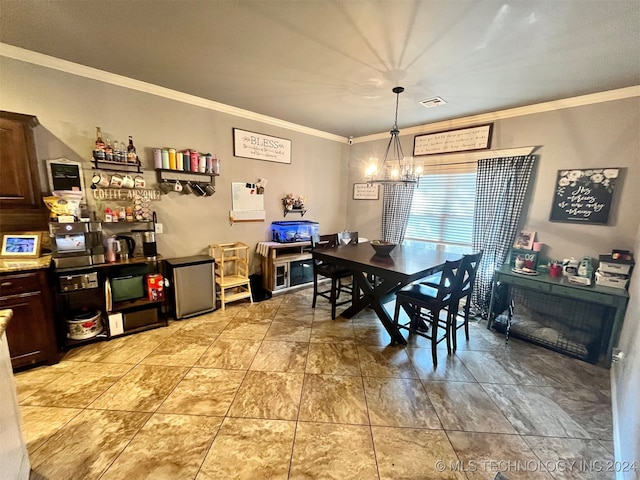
x,y
183,176
301,211
116,166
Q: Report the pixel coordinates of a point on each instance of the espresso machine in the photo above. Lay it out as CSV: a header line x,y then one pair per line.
x,y
76,244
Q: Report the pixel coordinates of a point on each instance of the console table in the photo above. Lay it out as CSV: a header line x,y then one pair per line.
x,y
559,315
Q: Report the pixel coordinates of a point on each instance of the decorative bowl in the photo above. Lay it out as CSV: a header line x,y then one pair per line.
x,y
381,247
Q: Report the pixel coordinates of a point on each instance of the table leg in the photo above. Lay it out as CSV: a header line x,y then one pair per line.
x,y
372,297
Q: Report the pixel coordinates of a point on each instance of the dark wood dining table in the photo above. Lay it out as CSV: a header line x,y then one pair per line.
x,y
379,277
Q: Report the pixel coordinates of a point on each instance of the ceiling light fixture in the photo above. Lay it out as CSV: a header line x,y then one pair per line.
x,y
395,167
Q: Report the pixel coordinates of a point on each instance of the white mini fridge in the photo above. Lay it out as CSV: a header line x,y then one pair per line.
x,y
193,288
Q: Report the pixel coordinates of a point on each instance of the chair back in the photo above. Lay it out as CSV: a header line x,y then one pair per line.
x,y
467,273
449,280
324,241
347,238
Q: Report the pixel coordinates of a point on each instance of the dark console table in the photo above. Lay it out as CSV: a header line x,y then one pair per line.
x,y
581,321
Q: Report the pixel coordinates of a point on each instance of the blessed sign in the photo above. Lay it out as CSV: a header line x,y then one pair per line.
x,y
584,196
261,147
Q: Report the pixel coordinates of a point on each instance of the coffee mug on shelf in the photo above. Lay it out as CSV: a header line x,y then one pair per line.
x,y
104,181
199,189
116,181
209,189
177,186
165,187
127,181
187,188
139,182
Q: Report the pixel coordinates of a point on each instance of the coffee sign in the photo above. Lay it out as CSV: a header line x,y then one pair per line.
x,y
584,196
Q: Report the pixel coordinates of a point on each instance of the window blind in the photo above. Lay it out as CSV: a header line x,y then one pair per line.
x,y
442,208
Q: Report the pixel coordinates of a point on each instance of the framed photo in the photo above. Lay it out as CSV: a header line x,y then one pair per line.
x,y
365,191
261,147
449,141
20,245
524,240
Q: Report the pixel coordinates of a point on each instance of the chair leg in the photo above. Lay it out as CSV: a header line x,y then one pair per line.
x,y
434,342
466,318
333,298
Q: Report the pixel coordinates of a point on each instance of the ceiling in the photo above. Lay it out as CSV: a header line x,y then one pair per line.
x,y
331,65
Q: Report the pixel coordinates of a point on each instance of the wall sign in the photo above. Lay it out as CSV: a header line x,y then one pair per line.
x,y
365,191
459,140
65,175
261,147
128,194
584,196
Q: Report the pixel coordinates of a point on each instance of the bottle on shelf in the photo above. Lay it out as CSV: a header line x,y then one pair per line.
x,y
172,158
98,152
132,156
108,151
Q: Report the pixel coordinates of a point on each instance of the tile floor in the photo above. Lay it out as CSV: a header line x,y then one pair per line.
x,y
276,390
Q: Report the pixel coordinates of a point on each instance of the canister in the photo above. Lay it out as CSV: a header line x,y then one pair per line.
x,y
202,162
216,166
172,158
186,160
157,158
194,161
179,163
165,159
209,158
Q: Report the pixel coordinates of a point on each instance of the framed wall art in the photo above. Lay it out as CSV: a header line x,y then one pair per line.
x,y
584,195
261,147
449,141
365,191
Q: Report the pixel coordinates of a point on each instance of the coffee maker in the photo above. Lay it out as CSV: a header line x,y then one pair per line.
x,y
76,244
145,243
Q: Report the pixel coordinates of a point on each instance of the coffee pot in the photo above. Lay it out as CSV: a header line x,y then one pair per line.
x,y
127,246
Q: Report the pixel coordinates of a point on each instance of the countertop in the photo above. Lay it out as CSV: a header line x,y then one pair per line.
x,y
19,265
5,316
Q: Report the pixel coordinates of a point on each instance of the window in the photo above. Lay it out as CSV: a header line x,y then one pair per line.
x,y
442,210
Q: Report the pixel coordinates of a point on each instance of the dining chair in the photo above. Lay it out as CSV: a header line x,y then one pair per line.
x,y
424,305
468,270
333,272
467,273
347,238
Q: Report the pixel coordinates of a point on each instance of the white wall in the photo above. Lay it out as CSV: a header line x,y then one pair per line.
x,y
69,108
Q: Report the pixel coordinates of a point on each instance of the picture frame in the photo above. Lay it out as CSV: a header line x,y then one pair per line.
x,y
258,146
366,191
21,245
524,240
448,141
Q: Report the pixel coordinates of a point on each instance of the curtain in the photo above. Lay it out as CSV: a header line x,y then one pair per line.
x,y
501,185
395,211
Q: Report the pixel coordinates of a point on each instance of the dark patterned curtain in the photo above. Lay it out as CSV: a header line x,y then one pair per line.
x,y
395,211
501,184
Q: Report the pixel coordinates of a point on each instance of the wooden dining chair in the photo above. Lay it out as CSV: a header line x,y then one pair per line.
x,y
467,272
347,238
424,305
333,272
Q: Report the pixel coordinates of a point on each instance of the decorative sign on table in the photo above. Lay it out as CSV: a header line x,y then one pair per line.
x,y
261,147
365,191
459,140
584,196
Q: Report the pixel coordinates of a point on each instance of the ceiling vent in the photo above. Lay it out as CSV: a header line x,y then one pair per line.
x,y
432,102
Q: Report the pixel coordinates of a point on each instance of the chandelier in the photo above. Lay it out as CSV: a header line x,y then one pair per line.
x,y
395,167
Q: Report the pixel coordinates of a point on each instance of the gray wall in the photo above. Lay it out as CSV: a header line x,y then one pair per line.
x,y
69,108
599,135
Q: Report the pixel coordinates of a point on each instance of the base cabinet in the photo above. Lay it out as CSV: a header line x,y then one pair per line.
x,y
119,293
286,265
31,334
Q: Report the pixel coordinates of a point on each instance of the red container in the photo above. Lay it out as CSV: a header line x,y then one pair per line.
x,y
555,271
155,287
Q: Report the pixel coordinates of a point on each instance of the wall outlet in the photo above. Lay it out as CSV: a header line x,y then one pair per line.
x,y
159,228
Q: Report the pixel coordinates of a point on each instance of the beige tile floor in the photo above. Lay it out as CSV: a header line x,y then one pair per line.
x,y
276,390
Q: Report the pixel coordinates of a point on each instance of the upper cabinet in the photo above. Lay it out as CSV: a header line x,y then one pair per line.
x,y
21,206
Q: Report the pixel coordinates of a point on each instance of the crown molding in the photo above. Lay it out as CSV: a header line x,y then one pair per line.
x,y
54,63
607,96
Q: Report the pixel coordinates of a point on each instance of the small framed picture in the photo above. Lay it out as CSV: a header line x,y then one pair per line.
x,y
524,240
20,245
365,191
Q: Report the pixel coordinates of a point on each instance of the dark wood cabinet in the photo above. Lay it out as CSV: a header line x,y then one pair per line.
x,y
21,206
31,333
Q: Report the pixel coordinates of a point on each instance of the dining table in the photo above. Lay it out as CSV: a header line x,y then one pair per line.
x,y
379,277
